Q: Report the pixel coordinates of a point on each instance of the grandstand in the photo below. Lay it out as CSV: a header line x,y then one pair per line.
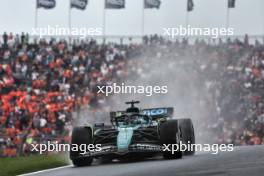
x,y
44,83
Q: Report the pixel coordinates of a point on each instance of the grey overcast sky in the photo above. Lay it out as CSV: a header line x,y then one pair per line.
x,y
247,17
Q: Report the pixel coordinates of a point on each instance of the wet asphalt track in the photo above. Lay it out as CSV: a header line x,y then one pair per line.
x,y
243,161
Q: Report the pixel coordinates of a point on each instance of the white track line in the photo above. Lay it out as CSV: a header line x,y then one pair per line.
x,y
46,170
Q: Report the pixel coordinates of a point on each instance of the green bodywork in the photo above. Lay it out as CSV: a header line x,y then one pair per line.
x,y
126,130
124,137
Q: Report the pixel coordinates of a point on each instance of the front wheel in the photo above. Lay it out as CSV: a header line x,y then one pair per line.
x,y
188,136
79,162
169,132
80,136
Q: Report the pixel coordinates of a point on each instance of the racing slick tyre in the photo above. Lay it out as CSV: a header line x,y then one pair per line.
x,y
187,131
169,132
81,135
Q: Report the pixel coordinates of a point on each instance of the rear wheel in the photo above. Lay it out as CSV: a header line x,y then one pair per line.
x,y
81,135
188,136
169,132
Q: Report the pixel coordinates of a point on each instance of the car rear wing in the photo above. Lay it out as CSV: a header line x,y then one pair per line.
x,y
155,113
158,112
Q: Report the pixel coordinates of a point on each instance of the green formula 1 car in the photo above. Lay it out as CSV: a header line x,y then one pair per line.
x,y
134,133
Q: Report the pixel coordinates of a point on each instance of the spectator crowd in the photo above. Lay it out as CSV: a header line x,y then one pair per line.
x,y
228,79
43,83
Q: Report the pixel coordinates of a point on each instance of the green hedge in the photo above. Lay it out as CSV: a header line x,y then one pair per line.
x,y
22,165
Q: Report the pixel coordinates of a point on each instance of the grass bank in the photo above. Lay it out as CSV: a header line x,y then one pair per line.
x,y
22,165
